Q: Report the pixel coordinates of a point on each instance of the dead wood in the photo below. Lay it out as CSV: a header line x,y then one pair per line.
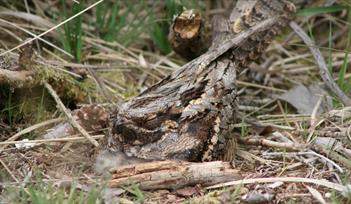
x,y
173,174
16,79
187,35
264,142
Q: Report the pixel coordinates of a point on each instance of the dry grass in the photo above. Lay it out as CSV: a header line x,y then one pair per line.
x,y
276,139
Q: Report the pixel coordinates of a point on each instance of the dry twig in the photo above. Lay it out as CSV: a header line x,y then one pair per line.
x,y
8,170
270,143
64,139
69,116
325,183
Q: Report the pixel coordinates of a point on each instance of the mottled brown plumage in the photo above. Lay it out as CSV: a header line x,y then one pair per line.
x,y
190,114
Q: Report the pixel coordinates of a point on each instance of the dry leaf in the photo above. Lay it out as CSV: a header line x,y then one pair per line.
x,y
187,191
304,99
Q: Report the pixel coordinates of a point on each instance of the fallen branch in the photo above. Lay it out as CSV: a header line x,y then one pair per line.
x,y
173,174
15,78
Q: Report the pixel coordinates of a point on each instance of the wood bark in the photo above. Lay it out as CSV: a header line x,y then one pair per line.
x,y
173,174
16,79
188,36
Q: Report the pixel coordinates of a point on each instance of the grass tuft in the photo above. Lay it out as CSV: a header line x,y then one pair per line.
x,y
71,36
108,22
346,85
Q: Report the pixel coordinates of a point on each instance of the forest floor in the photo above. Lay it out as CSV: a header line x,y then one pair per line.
x,y
291,125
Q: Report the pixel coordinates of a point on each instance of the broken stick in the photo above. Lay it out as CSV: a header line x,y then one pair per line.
x,y
173,174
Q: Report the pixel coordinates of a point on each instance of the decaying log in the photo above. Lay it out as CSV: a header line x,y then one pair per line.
x,y
187,35
173,174
16,79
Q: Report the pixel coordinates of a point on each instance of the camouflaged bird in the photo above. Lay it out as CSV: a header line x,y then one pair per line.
x,y
189,115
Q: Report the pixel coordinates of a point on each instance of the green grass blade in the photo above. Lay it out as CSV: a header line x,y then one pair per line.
x,y
330,43
112,24
342,73
71,39
320,10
